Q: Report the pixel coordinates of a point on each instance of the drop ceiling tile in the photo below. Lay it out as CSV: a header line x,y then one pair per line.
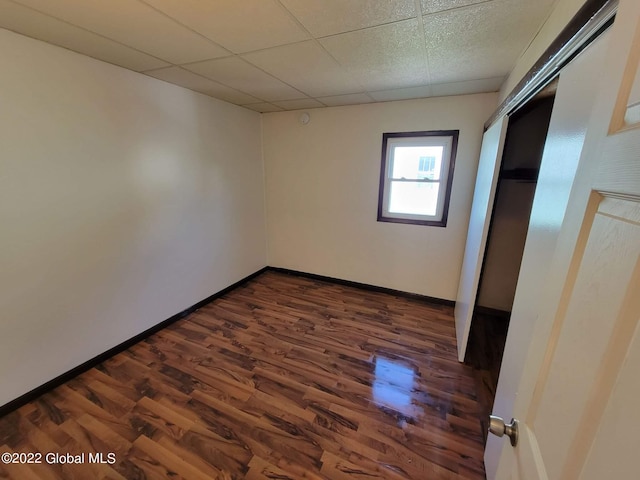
x,y
135,24
433,6
402,93
240,26
470,86
299,104
351,99
34,24
382,58
263,107
328,17
184,78
481,41
307,67
234,71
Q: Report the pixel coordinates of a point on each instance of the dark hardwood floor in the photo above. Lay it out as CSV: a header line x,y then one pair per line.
x,y
282,378
485,349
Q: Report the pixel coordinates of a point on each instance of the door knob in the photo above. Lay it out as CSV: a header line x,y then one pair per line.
x,y
499,428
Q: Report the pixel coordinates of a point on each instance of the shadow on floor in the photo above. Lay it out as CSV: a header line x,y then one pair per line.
x,y
487,339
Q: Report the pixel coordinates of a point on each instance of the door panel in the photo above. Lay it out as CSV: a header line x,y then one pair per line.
x,y
577,396
529,464
594,334
560,170
611,459
483,197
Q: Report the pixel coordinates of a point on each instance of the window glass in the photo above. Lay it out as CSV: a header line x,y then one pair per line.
x,y
414,198
416,177
416,162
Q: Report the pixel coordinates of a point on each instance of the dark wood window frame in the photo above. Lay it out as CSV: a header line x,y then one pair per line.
x,y
442,222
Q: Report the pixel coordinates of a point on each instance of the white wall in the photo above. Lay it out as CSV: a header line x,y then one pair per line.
x,y
563,12
322,193
123,201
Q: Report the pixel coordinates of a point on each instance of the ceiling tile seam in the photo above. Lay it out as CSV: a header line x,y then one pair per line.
x,y
257,103
239,56
160,68
461,7
91,32
362,90
305,95
261,100
231,88
437,84
296,99
425,52
469,80
177,22
317,43
208,79
194,90
259,50
347,70
195,62
317,99
187,64
372,27
403,88
345,95
309,98
273,102
181,65
268,103
440,84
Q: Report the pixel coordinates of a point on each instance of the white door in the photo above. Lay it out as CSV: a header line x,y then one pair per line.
x,y
577,396
578,86
483,197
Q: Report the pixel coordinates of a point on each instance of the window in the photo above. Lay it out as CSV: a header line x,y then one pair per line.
x,y
416,177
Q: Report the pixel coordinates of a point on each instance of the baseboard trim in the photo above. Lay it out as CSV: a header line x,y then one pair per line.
x,y
365,286
74,372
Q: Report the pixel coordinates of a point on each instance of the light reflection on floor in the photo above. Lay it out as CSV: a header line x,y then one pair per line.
x,y
393,387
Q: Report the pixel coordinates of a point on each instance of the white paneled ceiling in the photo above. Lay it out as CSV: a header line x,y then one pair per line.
x,y
272,55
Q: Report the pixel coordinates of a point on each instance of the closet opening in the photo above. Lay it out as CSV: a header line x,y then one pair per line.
x,y
524,146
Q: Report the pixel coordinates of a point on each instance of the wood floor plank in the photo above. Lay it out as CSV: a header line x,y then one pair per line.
x,y
339,468
260,469
170,460
282,378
